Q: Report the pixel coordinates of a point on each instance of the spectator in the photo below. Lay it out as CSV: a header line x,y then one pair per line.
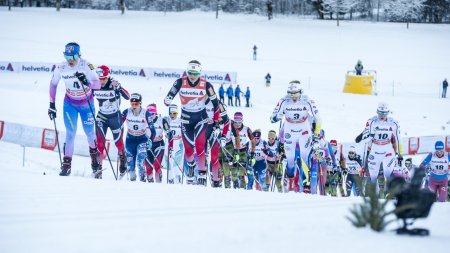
x,y
254,52
270,10
444,88
222,94
268,78
247,97
359,68
237,95
230,95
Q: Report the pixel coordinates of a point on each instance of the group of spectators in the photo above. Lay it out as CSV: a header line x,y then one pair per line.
x,y
237,93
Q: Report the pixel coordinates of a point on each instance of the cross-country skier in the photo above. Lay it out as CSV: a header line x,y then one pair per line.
x,y
175,149
243,142
300,114
382,134
353,168
108,97
258,167
139,130
226,150
193,91
274,164
155,145
320,157
80,79
438,162
213,133
337,175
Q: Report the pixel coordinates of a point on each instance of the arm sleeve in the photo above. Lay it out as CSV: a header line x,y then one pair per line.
x,y
316,117
367,134
399,149
92,77
252,139
213,98
124,115
226,128
333,158
124,93
172,92
277,113
151,126
426,161
267,150
54,83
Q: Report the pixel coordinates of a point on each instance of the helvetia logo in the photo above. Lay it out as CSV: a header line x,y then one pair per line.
x,y
228,78
142,73
190,93
32,68
124,73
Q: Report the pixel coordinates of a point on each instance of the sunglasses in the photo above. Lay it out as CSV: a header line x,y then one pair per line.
x,y
172,113
135,103
351,153
72,57
192,73
238,121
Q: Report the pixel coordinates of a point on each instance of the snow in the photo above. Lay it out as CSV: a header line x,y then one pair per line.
x,y
47,213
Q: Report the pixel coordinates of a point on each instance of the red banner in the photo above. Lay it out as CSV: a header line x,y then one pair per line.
x,y
48,139
447,143
413,145
2,124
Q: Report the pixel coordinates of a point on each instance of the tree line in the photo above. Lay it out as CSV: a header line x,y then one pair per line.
x,y
417,11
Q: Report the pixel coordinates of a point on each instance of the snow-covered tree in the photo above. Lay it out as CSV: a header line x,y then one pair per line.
x,y
404,10
338,7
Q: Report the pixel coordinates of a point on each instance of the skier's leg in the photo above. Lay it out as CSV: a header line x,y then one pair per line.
x,y
200,142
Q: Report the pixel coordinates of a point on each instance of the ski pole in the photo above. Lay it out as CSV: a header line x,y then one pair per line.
x,y
57,141
104,138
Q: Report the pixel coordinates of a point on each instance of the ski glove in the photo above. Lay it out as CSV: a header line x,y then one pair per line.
x,y
344,171
149,143
82,77
252,159
399,159
236,155
222,142
52,111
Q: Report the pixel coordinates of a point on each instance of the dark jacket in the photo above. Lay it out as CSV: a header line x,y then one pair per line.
x,y
247,93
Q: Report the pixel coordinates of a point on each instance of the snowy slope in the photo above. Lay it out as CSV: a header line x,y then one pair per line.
x,y
47,213
51,214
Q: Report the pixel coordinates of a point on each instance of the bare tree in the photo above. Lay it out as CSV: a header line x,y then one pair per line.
x,y
58,5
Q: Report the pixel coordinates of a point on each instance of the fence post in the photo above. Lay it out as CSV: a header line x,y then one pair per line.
x,y
23,156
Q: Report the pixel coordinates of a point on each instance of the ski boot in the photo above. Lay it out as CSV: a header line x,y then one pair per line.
x,y
190,179
132,176
227,182
123,166
216,184
95,164
201,179
242,182
150,178
142,176
66,166
236,184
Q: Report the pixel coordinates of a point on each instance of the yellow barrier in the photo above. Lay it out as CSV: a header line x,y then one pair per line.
x,y
363,84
